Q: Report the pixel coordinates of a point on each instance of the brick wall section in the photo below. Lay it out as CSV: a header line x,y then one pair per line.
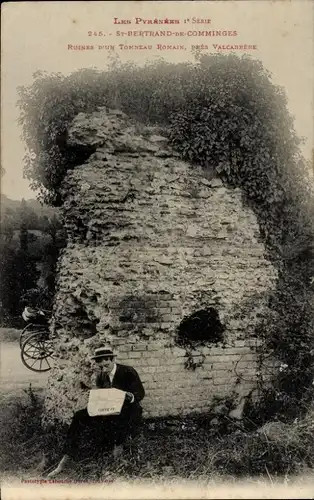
x,y
151,239
172,389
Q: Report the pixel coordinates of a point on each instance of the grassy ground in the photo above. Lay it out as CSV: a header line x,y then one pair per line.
x,y
223,459
188,450
9,334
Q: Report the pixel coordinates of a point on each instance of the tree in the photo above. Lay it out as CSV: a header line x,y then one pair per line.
x,y
9,281
53,228
18,268
28,260
27,270
8,225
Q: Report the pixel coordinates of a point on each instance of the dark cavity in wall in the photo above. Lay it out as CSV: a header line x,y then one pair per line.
x,y
78,155
73,155
77,320
138,309
200,328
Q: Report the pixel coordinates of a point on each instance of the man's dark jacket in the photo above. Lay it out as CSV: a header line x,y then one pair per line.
x,y
126,379
118,427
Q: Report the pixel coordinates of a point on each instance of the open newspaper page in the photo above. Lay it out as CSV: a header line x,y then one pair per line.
x,y
157,225
105,402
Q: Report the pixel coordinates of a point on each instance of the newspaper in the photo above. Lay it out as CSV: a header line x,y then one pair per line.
x,y
105,402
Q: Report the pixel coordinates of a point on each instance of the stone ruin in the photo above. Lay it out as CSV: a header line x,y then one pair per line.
x,y
164,262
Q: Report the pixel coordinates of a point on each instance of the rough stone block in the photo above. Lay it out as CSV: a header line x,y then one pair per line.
x,y
139,347
219,359
134,355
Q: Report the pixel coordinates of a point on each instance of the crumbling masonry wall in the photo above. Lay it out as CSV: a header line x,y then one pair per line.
x,y
152,240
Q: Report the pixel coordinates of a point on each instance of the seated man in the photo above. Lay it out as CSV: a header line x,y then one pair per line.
x,y
108,431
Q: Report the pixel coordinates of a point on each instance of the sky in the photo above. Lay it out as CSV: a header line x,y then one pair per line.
x,y
36,36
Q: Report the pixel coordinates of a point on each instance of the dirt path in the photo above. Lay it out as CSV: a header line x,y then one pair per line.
x,y
13,374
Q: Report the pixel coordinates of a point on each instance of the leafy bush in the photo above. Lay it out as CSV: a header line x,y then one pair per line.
x,y
224,113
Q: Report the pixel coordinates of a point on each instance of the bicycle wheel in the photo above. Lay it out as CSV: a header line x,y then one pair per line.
x,y
37,352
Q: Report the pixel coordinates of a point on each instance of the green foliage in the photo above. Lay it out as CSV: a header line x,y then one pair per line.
x,y
52,101
17,266
26,268
9,282
29,247
224,113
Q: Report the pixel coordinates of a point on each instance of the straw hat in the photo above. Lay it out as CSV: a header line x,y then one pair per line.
x,y
103,352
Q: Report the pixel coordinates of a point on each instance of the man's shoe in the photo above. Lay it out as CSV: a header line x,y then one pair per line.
x,y
66,459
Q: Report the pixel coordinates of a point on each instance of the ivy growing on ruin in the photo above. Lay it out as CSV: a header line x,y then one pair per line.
x,y
225,113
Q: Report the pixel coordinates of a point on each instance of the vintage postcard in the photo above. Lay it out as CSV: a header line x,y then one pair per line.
x,y
157,250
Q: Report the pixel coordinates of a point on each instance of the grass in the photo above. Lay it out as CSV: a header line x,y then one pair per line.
x,y
20,430
188,450
9,334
